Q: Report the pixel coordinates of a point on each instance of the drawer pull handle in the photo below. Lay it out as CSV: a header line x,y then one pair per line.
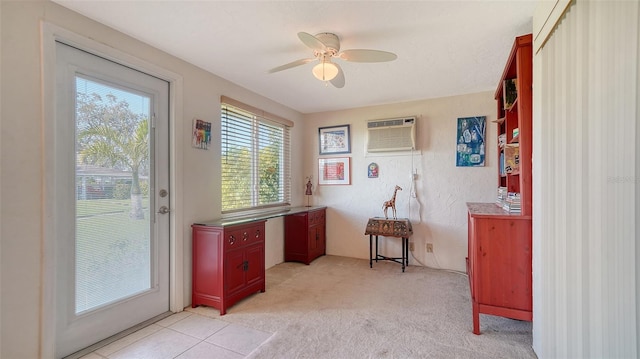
x,y
232,239
258,233
245,236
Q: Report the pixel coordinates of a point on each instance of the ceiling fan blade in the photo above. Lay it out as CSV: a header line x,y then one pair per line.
x,y
338,81
291,64
312,42
362,55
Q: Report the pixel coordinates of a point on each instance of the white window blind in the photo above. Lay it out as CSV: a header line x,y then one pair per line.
x,y
255,160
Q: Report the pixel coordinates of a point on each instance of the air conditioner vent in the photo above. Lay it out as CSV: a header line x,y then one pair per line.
x,y
396,134
386,123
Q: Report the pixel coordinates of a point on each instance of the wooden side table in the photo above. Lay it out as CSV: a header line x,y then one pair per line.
x,y
399,228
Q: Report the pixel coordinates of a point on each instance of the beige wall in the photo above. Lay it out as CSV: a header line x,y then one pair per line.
x,y
438,212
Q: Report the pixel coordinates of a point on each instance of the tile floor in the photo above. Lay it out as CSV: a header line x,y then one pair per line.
x,y
185,335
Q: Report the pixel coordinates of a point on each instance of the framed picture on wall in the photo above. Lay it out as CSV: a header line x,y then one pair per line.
x,y
334,140
335,170
470,144
201,135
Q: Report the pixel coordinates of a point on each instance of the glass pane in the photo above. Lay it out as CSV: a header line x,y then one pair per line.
x,y
269,160
255,161
237,162
113,247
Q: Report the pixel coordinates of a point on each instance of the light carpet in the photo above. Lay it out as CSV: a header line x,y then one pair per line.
x,y
338,307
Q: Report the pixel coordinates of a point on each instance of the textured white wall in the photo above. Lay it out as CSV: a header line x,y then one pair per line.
x,y
586,185
438,211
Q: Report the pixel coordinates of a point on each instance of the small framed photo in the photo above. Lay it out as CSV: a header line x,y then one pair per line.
x,y
201,137
334,140
335,170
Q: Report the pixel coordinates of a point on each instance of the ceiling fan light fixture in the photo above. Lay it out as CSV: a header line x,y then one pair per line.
x,y
325,71
326,46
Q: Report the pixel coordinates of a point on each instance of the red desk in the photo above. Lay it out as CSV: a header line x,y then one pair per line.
x,y
399,228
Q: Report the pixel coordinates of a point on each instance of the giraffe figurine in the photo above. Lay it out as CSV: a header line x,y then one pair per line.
x,y
391,203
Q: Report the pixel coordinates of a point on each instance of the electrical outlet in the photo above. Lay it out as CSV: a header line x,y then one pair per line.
x,y
411,247
429,247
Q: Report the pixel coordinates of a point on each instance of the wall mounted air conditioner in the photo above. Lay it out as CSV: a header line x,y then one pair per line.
x,y
396,134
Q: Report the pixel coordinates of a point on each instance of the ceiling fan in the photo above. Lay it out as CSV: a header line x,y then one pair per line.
x,y
326,46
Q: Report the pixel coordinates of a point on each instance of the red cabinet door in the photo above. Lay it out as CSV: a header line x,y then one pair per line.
x,y
322,240
312,238
254,257
296,237
234,274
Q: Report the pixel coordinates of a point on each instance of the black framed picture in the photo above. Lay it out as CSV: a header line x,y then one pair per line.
x,y
334,140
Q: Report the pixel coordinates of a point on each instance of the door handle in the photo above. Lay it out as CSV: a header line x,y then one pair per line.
x,y
164,210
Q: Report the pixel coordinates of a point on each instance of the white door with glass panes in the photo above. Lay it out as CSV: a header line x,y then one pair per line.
x,y
111,202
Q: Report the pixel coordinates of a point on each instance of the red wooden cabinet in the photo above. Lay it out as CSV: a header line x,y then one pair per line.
x,y
228,264
304,236
499,263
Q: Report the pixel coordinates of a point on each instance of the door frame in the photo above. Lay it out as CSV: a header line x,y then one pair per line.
x,y
50,34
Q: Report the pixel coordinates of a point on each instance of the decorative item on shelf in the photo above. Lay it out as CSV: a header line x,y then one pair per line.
x,y
391,203
511,158
509,93
502,196
372,170
502,140
511,203
516,133
308,190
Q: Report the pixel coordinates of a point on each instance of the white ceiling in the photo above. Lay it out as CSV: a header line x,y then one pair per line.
x,y
444,48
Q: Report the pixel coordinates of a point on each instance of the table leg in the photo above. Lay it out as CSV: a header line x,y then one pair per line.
x,y
403,248
376,248
407,250
370,251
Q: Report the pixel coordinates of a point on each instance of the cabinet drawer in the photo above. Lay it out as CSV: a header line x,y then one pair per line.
x,y
316,217
236,237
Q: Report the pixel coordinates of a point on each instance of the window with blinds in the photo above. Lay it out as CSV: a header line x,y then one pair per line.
x,y
255,160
